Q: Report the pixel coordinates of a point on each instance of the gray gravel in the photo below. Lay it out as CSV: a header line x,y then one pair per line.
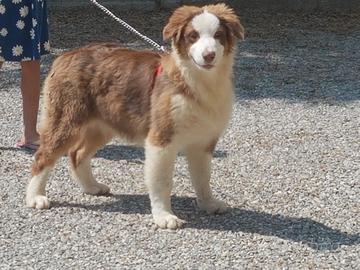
x,y
288,165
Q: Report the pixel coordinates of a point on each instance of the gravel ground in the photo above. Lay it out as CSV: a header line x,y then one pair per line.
x,y
288,165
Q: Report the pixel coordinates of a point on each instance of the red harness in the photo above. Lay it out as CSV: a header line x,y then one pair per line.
x,y
157,73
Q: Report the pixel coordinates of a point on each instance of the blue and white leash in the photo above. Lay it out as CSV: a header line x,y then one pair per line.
x,y
129,27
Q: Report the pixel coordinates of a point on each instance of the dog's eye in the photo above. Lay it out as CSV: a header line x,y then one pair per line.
x,y
219,34
193,36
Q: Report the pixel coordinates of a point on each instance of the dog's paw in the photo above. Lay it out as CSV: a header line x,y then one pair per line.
x,y
168,221
97,189
38,202
213,206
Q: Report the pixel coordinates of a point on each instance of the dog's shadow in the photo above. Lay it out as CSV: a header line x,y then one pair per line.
x,y
302,230
113,152
132,153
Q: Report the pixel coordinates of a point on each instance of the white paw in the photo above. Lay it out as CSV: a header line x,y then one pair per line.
x,y
213,206
38,202
168,221
97,189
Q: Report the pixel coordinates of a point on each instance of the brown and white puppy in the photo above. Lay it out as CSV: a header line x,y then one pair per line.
x,y
171,102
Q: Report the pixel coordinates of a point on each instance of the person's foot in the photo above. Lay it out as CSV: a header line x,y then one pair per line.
x,y
29,144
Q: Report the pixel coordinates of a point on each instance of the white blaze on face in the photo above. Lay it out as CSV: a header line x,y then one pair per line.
x,y
206,24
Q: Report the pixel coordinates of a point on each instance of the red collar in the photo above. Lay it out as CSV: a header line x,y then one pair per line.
x,y
158,71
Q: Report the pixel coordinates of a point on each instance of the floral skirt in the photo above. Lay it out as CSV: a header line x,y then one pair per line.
x,y
24,32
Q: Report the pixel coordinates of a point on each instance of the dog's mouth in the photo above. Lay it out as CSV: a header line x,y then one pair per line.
x,y
205,66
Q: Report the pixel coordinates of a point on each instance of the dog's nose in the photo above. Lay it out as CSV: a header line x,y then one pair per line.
x,y
208,56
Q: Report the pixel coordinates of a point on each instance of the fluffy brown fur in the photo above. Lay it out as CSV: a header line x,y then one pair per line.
x,y
86,85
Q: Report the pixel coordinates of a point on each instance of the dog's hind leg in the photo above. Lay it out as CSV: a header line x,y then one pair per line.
x,y
66,112
53,146
35,192
91,140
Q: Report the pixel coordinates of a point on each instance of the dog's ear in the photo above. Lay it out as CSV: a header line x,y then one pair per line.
x,y
228,17
178,20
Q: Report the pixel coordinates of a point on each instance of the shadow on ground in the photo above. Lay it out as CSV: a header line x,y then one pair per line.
x,y
17,149
315,77
303,230
113,152
123,152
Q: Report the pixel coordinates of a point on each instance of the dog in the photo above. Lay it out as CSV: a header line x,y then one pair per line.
x,y
180,101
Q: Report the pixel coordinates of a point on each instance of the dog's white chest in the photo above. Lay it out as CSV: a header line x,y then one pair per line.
x,y
203,119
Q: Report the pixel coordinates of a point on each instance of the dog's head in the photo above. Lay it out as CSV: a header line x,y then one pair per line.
x,y
204,35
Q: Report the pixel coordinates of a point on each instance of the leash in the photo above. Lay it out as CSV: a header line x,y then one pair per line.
x,y
129,27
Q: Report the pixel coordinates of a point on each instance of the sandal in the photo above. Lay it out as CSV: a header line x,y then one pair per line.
x,y
28,146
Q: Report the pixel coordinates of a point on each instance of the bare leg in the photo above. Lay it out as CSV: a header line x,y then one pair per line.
x,y
159,165
199,161
30,90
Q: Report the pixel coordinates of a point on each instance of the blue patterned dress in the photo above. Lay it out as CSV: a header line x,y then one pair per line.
x,y
24,32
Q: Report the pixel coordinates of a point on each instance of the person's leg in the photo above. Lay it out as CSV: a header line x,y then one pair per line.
x,y
30,90
1,63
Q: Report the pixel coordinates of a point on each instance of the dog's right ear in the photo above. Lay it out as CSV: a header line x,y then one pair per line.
x,y
178,20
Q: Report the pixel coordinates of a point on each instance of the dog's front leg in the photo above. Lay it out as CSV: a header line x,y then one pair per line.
x,y
159,166
199,161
